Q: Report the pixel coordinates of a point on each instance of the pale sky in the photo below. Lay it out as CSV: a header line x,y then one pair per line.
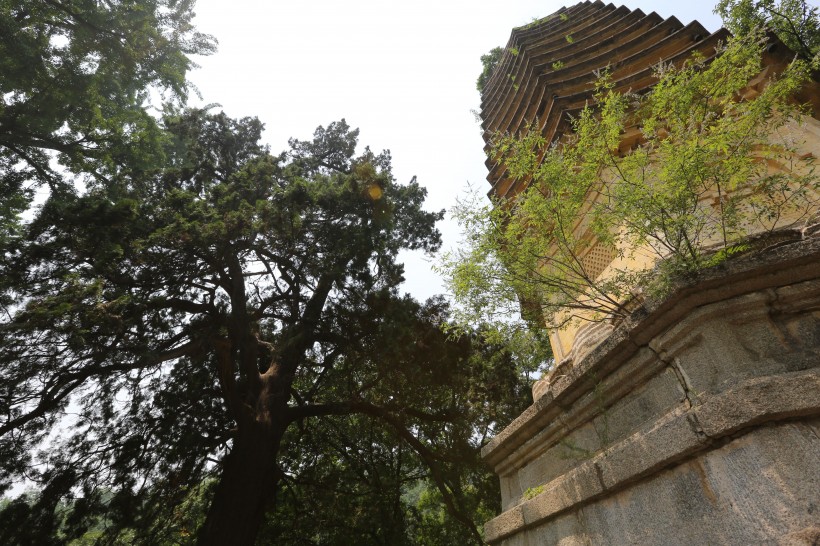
x,y
402,72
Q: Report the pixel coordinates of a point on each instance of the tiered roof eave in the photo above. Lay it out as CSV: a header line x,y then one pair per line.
x,y
548,69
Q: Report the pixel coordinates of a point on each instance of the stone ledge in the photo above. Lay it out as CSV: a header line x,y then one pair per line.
x,y
774,267
675,437
759,400
568,419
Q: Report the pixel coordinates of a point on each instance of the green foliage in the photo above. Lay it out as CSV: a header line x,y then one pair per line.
x,y
533,492
558,65
430,524
488,62
194,289
76,79
149,309
796,22
60,525
352,479
690,193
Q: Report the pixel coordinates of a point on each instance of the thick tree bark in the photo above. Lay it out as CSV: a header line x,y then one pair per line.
x,y
247,483
250,473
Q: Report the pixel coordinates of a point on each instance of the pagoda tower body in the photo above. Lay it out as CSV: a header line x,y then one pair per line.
x,y
697,419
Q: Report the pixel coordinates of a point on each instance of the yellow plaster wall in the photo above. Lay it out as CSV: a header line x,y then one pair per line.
x,y
803,136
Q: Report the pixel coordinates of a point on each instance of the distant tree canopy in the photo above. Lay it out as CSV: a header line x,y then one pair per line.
x,y
796,22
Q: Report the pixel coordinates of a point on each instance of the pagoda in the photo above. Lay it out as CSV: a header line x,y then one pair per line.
x,y
697,419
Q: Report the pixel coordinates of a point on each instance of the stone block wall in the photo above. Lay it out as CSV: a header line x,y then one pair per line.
x,y
695,422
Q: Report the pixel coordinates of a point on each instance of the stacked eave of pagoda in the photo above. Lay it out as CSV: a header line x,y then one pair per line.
x,y
547,72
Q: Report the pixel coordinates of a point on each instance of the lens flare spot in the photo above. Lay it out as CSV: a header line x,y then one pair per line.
x,y
375,192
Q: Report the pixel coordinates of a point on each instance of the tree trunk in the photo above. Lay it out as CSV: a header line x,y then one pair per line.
x,y
248,481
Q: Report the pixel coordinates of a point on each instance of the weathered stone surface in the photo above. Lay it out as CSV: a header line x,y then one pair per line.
x,y
810,536
759,400
569,489
748,336
565,530
697,419
767,481
657,396
508,523
581,445
578,485
793,264
510,490
669,440
578,441
702,433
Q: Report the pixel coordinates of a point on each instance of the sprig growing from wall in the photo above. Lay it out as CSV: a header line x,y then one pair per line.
x,y
706,168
